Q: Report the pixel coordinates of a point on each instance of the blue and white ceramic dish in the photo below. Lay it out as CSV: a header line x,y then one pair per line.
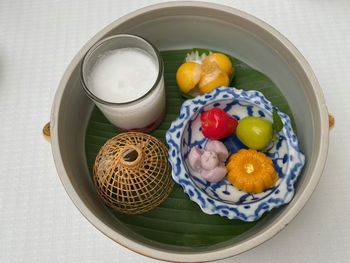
x,y
223,198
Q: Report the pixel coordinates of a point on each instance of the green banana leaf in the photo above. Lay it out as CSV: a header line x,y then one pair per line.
x,y
178,220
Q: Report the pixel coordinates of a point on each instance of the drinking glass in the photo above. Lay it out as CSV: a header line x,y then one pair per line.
x,y
144,113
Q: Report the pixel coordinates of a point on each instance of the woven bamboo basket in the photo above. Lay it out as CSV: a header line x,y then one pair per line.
x,y
132,173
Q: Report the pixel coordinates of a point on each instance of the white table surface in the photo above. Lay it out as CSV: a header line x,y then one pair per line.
x,y
39,223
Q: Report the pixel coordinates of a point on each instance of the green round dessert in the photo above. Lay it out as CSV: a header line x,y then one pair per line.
x,y
254,132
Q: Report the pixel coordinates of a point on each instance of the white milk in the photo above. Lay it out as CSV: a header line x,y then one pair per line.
x,y
124,75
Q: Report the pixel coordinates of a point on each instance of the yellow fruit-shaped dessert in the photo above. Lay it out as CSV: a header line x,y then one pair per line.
x,y
251,171
220,60
204,72
212,80
188,76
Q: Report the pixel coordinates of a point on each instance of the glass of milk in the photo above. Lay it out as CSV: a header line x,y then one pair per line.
x,y
124,76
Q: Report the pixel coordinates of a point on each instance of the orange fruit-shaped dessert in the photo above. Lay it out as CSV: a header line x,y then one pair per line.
x,y
188,76
204,72
220,60
251,171
212,80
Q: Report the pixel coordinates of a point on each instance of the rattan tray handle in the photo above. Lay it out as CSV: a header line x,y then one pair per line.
x,y
46,132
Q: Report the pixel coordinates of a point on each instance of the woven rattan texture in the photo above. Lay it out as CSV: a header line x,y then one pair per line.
x,y
132,173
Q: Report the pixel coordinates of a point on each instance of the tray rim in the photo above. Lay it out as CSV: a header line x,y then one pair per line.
x,y
242,246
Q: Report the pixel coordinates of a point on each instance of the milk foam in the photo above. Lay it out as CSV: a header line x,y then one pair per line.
x,y
122,75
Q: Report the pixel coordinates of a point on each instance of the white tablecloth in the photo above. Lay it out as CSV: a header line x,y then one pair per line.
x,y
39,223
